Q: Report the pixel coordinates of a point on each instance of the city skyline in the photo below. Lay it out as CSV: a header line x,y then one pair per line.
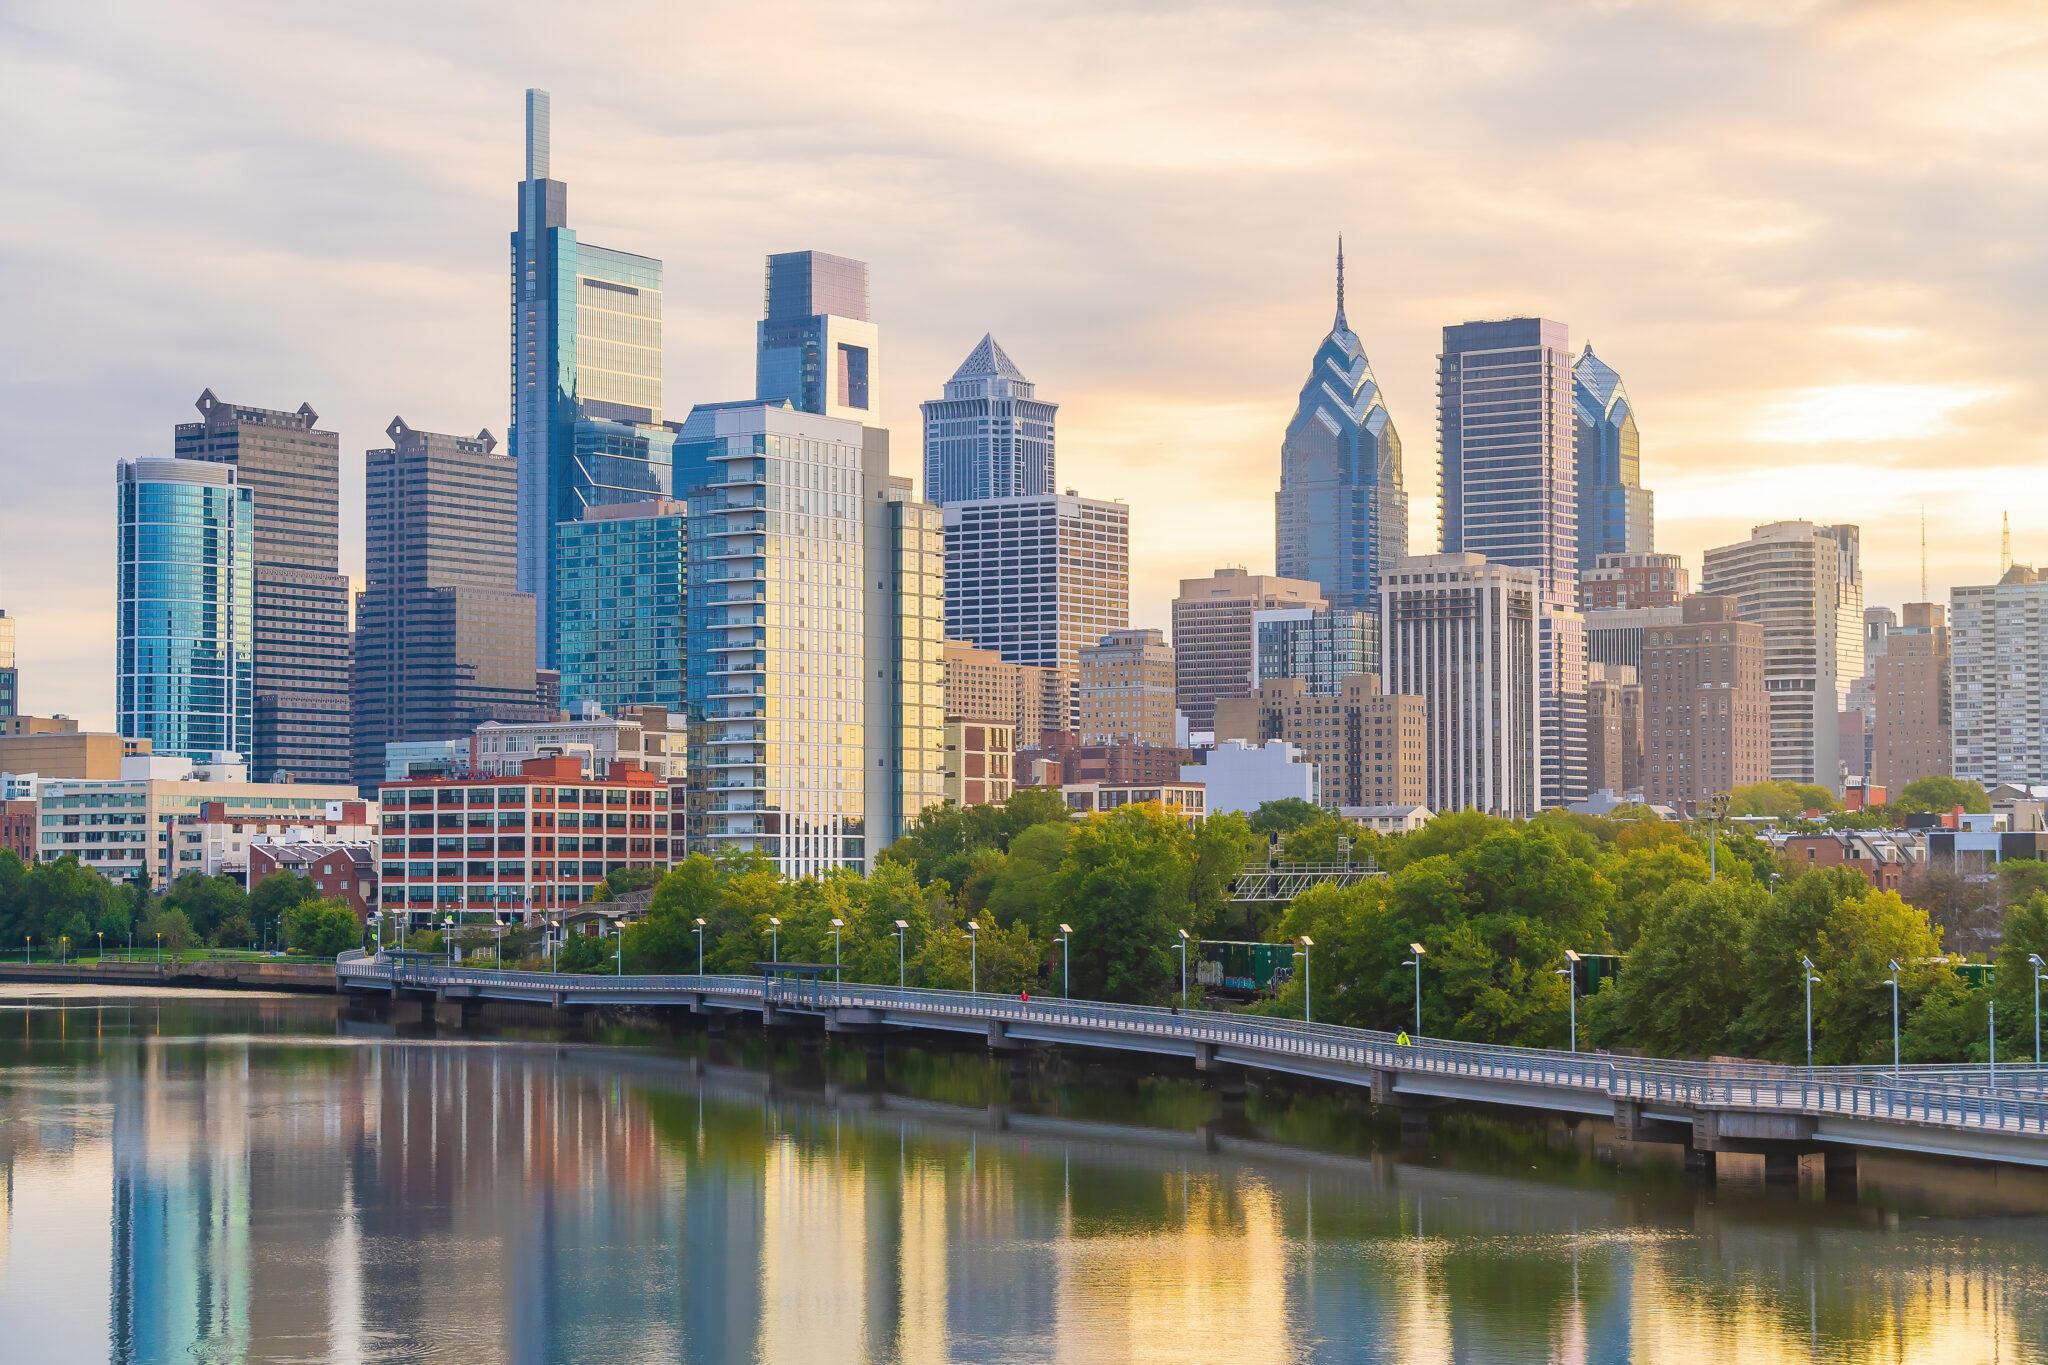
x,y
1777,315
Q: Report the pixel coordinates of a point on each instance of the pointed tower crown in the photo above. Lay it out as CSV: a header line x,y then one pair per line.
x,y
988,360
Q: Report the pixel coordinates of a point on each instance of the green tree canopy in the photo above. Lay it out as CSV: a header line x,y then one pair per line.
x,y
1786,800
1284,816
1681,986
322,928
1124,887
1924,794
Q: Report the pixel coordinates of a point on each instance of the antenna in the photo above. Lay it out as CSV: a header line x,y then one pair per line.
x,y
2004,543
1340,281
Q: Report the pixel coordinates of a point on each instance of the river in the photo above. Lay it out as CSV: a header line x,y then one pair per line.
x,y
257,1178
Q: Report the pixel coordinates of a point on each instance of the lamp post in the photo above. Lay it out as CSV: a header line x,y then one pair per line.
x,y
1308,981
1066,933
448,937
837,925
1894,964
619,948
774,939
1992,1029
973,957
1806,969
159,951
1570,973
700,945
1183,946
1416,962
902,933
101,935
2034,960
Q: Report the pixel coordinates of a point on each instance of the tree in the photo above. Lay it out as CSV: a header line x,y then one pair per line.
x,y
167,928
621,880
1021,888
1325,840
2012,984
1223,845
206,900
1935,793
1284,816
1681,988
665,940
1640,876
270,898
1124,888
234,932
1786,800
322,928
1452,832
1008,959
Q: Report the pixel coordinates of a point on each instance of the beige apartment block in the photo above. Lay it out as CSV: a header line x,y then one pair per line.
x,y
1124,689
1370,748
1215,634
1706,716
1912,727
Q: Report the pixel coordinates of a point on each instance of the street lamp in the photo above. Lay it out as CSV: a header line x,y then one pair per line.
x,y
1992,1029
1570,973
448,937
902,933
1308,981
837,925
2034,960
1183,946
774,939
1894,964
1066,933
101,935
973,957
159,951
700,945
619,932
1806,969
1416,962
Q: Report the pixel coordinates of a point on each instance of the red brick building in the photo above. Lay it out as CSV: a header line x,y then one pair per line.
x,y
343,872
18,829
531,844
1060,758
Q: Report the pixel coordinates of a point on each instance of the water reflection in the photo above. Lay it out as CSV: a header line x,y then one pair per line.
x,y
239,1180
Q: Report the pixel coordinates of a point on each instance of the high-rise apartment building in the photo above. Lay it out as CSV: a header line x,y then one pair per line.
x,y
1320,647
818,348
444,640
1911,731
904,545
1618,581
1614,635
292,469
1026,700
991,436
1037,579
1614,729
1999,638
1509,491
1804,585
1341,515
1706,714
586,372
1615,511
622,589
1124,689
1461,633
1369,748
10,677
185,602
1215,634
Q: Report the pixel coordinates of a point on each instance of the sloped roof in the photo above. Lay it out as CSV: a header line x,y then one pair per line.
x,y
988,358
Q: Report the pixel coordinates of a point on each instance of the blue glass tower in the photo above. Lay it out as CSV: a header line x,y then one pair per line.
x,y
1615,510
185,632
818,349
1341,513
10,681
586,372
619,629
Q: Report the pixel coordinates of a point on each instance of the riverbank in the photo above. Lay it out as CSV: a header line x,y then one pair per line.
x,y
260,974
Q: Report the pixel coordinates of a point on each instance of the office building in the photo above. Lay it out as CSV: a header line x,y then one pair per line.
x,y
979,762
1240,777
1621,581
1615,635
444,640
1124,689
1999,639
904,616
1060,757
1804,585
1187,800
777,645
982,685
622,577
647,737
292,470
1706,712
991,436
532,843
10,675
1460,632
1614,729
1320,647
185,601
818,348
586,373
1615,511
53,746
1037,579
1912,726
1215,634
1341,515
1368,747
226,830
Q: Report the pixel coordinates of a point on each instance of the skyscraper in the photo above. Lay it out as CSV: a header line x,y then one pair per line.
x,y
1804,585
1911,730
1037,579
586,372
10,678
818,349
1999,635
292,470
1319,647
903,542
991,436
1341,514
1509,492
185,589
621,598
444,640
1615,511
1215,634
1706,714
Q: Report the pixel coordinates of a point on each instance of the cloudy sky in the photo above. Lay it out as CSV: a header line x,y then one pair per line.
x,y
1809,235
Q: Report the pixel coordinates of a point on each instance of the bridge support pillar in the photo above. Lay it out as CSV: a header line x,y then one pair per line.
x,y
469,1015
1700,1164
1232,1086
1781,1168
1414,1125
1838,1166
877,1059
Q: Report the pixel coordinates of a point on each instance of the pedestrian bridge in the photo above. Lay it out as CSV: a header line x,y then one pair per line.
x,y
1778,1111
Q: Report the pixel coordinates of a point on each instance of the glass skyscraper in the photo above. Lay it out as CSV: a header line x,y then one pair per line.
x,y
1615,510
619,629
1341,514
185,598
818,348
586,371
991,436
904,544
1322,648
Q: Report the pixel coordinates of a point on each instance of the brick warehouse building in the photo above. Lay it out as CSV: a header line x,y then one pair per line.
x,y
535,843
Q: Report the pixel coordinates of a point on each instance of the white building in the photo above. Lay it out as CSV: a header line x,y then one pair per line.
x,y
1388,819
1242,777
1998,660
640,734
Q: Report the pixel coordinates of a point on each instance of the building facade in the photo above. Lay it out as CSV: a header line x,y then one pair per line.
x,y
1368,747
1322,648
991,435
647,737
979,763
1240,777
1215,634
1912,733
1614,729
299,730
1706,711
1622,581
1615,512
185,652
818,348
1460,632
904,615
982,685
1803,584
1037,579
1124,689
10,675
622,584
1999,639
226,830
444,640
343,870
1341,515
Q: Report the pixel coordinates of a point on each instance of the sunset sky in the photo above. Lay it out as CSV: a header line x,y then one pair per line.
x,y
1810,237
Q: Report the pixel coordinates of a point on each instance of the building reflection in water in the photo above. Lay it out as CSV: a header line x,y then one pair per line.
x,y
316,1197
